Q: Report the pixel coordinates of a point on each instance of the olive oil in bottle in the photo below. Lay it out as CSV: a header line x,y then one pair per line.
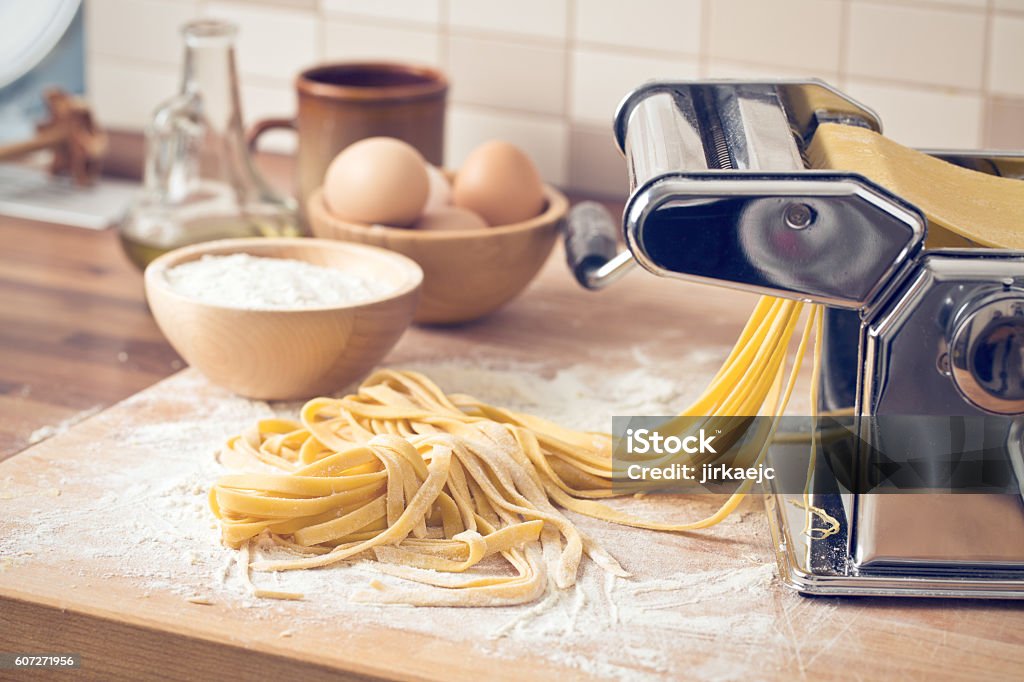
x,y
143,247
199,181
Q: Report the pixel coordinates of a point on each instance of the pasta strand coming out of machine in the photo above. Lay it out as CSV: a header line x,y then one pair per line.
x,y
965,208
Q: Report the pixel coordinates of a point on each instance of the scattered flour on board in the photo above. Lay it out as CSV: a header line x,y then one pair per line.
x,y
50,430
149,522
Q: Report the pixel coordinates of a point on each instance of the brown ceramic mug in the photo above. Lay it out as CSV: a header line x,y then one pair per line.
x,y
342,103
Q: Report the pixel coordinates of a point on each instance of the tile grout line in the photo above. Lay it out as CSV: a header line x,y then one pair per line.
x,y
443,56
844,43
570,85
321,33
444,22
704,39
928,5
878,80
443,36
547,119
985,124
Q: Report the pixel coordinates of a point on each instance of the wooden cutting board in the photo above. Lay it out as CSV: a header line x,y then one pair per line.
x,y
710,622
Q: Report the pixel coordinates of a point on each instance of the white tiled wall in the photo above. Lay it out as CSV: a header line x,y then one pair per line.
x,y
926,45
544,138
662,25
273,43
547,74
357,39
1006,75
601,79
938,118
539,18
426,12
518,76
760,32
128,28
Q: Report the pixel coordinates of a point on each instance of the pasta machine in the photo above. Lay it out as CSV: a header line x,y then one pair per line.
x,y
923,349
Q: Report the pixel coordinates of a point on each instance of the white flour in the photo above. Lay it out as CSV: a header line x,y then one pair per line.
x,y
48,431
252,283
150,523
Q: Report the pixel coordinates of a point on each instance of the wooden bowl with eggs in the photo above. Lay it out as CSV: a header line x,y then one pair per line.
x,y
467,273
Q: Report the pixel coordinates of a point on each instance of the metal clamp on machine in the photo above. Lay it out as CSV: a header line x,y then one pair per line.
x,y
723,193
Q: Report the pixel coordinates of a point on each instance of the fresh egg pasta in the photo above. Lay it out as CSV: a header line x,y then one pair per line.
x,y
430,484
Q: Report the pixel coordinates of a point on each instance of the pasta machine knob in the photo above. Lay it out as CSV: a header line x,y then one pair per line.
x,y
986,353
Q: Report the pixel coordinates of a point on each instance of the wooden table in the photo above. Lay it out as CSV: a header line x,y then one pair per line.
x,y
75,336
75,333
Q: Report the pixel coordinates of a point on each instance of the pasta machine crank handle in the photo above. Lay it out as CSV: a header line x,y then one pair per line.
x,y
592,247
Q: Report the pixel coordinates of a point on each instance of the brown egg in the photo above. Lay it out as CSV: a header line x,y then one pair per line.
x,y
378,181
440,194
450,218
500,183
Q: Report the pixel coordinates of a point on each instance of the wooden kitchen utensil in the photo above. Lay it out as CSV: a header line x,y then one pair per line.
x,y
287,354
466,273
71,133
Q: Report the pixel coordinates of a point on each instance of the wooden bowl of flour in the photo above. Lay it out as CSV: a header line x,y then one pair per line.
x,y
278,330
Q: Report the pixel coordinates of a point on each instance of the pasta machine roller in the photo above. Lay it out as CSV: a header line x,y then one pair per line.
x,y
923,348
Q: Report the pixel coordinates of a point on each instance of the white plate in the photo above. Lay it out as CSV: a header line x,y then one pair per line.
x,y
29,31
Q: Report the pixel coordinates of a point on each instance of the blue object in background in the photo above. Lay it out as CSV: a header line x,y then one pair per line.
x,y
21,101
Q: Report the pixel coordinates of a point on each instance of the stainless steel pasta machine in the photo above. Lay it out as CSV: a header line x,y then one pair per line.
x,y
923,348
